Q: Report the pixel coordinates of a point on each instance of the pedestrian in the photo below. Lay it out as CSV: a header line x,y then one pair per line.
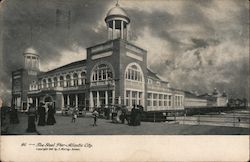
x,y
132,116
31,118
13,115
42,114
74,115
95,115
51,118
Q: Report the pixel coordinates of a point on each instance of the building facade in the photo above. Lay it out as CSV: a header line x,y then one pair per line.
x,y
114,72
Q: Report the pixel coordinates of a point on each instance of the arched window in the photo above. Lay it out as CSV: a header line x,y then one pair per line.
x,y
61,81
75,79
67,80
102,72
55,81
83,77
49,82
44,83
134,72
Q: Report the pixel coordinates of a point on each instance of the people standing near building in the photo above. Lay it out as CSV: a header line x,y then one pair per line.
x,y
42,114
74,115
95,115
51,118
13,115
132,116
31,118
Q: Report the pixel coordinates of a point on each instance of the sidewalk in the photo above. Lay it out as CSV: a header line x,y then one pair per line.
x,y
83,126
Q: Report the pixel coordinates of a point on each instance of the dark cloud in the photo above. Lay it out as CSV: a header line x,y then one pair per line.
x,y
189,61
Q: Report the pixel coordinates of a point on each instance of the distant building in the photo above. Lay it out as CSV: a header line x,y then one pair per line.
x,y
216,99
114,72
192,100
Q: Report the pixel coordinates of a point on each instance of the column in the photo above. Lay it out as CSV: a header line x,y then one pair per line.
x,y
36,102
108,30
106,98
71,80
97,99
64,81
130,99
113,30
79,79
68,100
127,31
113,97
91,103
62,102
76,96
121,29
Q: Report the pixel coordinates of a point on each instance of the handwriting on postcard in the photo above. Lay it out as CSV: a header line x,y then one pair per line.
x,y
57,146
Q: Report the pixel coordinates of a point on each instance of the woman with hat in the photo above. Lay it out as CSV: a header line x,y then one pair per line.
x,y
31,118
42,114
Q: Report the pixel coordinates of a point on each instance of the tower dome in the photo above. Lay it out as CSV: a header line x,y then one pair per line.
x,y
117,11
31,59
117,21
30,50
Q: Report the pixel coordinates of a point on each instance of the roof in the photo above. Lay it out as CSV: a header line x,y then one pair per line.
x,y
31,50
118,11
192,95
153,75
67,66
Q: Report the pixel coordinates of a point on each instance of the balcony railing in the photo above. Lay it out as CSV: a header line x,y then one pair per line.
x,y
102,82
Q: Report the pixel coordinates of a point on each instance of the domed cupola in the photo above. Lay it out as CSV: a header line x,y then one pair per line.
x,y
31,59
117,21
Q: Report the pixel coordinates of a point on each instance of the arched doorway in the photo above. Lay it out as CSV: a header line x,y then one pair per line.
x,y
48,100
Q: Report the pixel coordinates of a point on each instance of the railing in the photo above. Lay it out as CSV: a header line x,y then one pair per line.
x,y
134,84
102,82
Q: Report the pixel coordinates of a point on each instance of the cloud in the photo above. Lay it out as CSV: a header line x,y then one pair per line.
x,y
197,45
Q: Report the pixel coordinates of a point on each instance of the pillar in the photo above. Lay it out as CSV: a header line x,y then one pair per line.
x,y
130,99
121,29
108,30
62,101
106,98
36,102
68,101
76,96
97,99
71,80
113,29
79,79
113,97
91,103
127,31
64,81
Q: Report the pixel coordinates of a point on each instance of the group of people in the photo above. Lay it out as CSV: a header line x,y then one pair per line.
x,y
135,117
41,114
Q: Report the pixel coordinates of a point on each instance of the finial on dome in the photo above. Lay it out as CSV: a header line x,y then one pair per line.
x,y
117,3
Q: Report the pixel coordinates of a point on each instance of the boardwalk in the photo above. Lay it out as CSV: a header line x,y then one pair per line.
x,y
83,126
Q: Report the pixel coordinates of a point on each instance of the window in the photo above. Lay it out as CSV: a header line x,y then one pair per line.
x,y
61,81
67,80
49,82
55,81
102,72
154,99
44,83
149,99
83,78
150,81
75,79
133,72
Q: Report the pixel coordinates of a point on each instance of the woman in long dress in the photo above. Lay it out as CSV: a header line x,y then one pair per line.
x,y
51,118
31,119
42,115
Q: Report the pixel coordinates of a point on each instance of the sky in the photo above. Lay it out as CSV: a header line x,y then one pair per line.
x,y
195,45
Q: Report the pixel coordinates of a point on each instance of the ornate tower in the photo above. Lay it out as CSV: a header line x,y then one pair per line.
x,y
31,60
117,22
